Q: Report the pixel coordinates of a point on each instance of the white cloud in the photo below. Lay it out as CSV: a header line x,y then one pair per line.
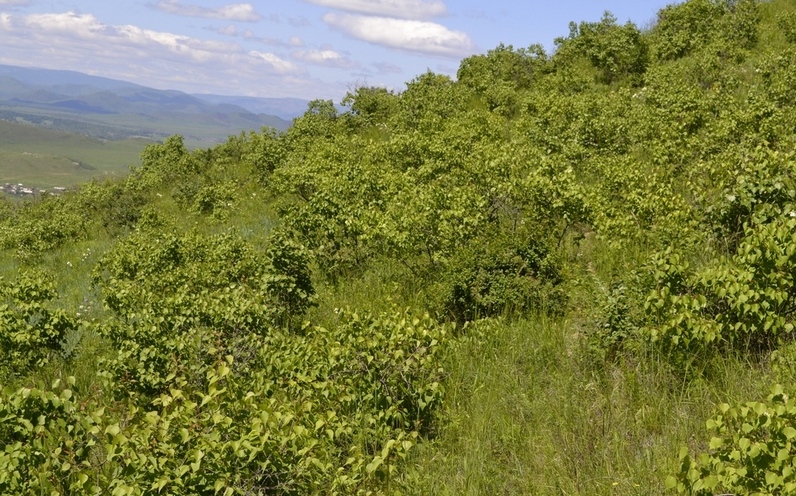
x,y
281,66
327,58
82,28
406,9
414,36
248,35
230,30
243,12
153,58
14,2
5,22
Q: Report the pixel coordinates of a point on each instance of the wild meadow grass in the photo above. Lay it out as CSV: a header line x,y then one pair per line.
x,y
525,413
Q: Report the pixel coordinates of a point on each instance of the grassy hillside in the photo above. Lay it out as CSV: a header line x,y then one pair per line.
x,y
561,273
44,158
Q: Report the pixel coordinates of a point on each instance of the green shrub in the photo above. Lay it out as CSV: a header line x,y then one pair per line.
x,y
44,225
685,27
333,411
762,190
30,330
618,52
745,302
49,443
215,199
488,278
177,298
614,326
752,451
264,152
787,23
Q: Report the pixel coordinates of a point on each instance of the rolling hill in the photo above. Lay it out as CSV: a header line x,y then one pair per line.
x,y
110,109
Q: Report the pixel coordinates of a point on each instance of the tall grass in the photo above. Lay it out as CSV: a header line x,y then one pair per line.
x,y
526,413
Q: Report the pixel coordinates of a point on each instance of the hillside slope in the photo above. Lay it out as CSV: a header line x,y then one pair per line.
x,y
561,273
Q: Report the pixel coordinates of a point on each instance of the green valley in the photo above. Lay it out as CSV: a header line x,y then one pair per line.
x,y
45,158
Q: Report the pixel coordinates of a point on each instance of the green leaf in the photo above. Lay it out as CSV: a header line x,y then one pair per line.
x,y
374,465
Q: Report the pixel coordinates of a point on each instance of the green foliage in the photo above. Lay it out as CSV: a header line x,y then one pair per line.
x,y
288,277
118,204
215,199
265,152
787,23
690,26
30,330
614,327
741,26
617,52
533,186
371,106
429,99
316,125
164,163
744,302
517,275
501,74
331,412
752,451
626,205
179,297
38,227
49,442
763,190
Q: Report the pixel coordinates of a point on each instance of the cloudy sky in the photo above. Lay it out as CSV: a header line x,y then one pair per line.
x,y
282,48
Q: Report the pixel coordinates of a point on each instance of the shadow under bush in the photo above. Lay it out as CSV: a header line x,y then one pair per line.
x,y
494,276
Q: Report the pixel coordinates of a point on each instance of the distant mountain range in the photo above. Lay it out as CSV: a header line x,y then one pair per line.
x,y
110,109
284,108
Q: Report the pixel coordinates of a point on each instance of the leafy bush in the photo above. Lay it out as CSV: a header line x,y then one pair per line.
x,y
616,51
165,163
178,297
685,27
42,226
118,204
746,302
762,190
264,152
30,331
334,411
215,199
614,326
489,278
787,23
49,443
500,75
752,451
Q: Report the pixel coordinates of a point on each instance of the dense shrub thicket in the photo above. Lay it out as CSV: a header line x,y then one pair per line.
x,y
638,184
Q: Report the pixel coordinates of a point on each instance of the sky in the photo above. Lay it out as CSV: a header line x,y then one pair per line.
x,y
284,48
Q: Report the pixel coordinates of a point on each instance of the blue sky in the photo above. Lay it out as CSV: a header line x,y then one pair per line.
x,y
283,48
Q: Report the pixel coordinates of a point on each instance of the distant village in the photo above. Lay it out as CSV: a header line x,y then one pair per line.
x,y
20,189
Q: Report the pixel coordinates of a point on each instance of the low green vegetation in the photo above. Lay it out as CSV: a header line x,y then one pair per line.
x,y
566,273
45,158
